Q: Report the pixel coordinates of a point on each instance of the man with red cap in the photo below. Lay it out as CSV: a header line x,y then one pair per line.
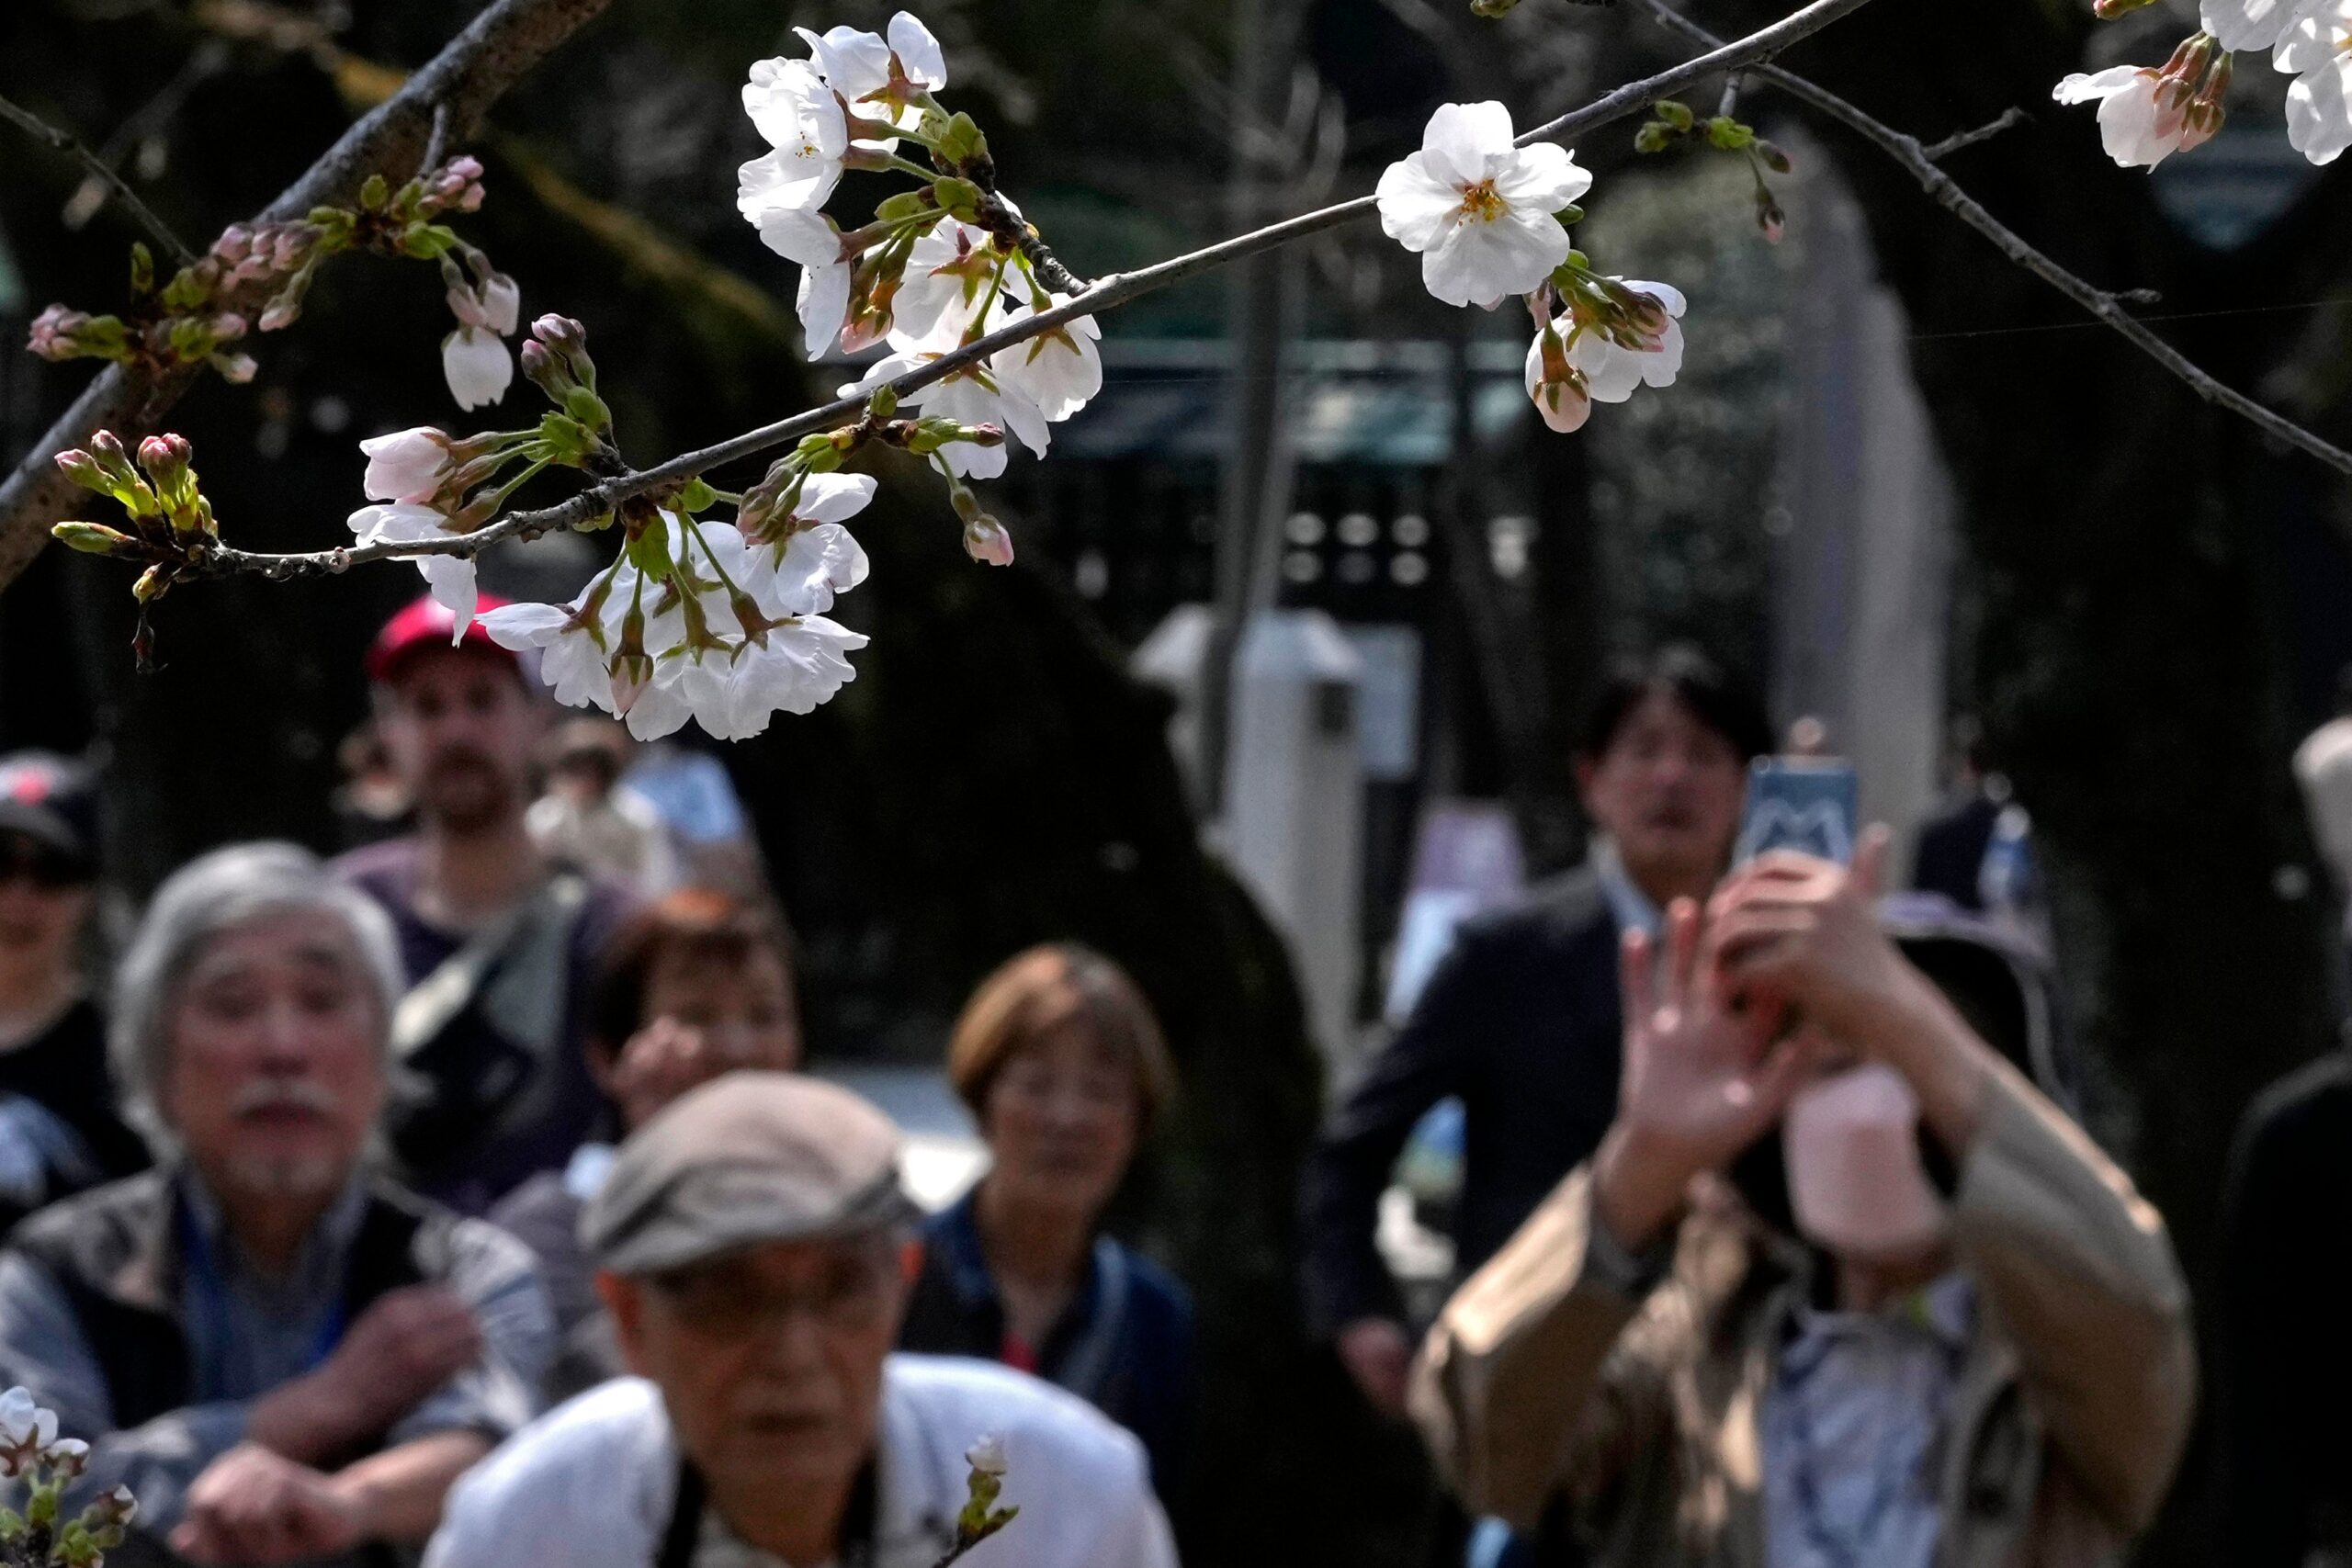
x,y
499,945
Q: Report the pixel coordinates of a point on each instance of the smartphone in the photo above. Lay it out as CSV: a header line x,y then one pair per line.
x,y
1806,804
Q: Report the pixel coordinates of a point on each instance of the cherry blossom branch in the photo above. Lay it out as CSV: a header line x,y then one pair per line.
x,y
2107,306
494,52
2010,118
1104,294
105,174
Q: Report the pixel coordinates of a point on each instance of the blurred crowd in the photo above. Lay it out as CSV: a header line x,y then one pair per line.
x,y
463,1195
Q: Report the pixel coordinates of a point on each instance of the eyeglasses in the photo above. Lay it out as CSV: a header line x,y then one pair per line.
x,y
734,1298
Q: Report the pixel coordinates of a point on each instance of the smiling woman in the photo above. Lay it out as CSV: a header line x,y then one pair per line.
x,y
1061,1061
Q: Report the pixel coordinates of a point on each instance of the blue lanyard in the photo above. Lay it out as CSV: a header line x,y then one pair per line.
x,y
204,1279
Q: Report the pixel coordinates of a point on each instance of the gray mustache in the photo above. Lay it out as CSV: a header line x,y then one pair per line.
x,y
284,1094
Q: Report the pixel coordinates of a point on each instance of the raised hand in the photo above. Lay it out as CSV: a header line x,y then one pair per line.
x,y
1701,1081
1791,931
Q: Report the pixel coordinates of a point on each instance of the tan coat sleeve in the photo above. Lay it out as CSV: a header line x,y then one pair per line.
x,y
1512,1369
2079,1272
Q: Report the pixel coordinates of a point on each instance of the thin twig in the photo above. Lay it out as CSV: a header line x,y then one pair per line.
x,y
2010,116
204,62
1105,293
2107,306
41,131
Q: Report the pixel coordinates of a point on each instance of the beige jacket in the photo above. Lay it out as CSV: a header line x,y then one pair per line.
x,y
2071,1410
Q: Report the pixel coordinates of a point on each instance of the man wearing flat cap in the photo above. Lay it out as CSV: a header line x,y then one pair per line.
x,y
750,1241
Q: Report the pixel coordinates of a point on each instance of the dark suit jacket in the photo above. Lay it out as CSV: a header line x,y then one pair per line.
x,y
1522,1022
2286,1374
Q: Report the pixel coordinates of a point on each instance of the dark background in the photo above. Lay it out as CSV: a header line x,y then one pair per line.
x,y
2154,601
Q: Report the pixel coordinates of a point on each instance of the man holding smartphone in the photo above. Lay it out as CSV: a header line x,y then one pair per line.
x,y
1521,1019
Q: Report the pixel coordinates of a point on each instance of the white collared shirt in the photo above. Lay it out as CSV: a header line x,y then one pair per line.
x,y
591,1485
1632,909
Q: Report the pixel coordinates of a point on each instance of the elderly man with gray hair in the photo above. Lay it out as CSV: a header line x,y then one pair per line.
x,y
284,1357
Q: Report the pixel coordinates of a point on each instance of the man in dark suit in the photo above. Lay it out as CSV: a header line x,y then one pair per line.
x,y
1520,1021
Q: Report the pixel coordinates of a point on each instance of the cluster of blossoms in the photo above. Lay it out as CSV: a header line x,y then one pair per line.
x,y
204,307
430,485
714,621
1489,219
31,1451
940,266
2148,113
724,620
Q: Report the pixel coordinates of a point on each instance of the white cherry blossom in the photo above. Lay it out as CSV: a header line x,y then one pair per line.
x,y
802,120
878,78
949,273
22,1423
2243,26
1611,370
1059,370
812,239
450,579
407,465
790,668
473,360
2137,130
686,687
2319,31
1480,210
571,647
2319,110
2316,48
477,366
818,558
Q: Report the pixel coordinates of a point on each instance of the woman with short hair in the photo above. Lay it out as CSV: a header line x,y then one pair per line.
x,y
1064,1066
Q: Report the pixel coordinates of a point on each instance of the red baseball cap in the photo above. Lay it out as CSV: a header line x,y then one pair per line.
x,y
428,624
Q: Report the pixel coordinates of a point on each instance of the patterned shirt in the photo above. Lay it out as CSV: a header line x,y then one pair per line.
x,y
1850,1429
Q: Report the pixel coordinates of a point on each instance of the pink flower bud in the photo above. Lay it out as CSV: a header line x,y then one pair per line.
x,y
560,332
83,470
53,331
465,168
161,453
230,246
632,673
226,327
986,540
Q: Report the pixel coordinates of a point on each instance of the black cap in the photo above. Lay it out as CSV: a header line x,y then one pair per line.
x,y
53,801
